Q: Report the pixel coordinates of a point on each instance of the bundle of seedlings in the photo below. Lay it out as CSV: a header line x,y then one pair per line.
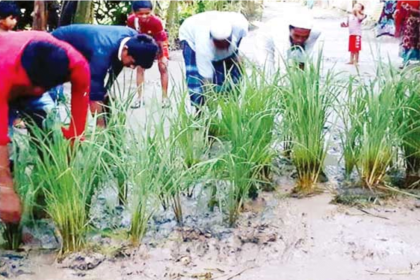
x,y
381,128
67,172
191,141
169,172
142,199
246,120
351,114
411,128
309,97
115,136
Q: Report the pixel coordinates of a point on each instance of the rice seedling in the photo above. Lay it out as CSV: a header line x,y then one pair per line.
x,y
351,114
190,137
380,126
66,173
141,200
169,173
410,121
245,121
308,102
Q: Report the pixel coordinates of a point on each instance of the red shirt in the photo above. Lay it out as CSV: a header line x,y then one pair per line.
x,y
14,81
152,27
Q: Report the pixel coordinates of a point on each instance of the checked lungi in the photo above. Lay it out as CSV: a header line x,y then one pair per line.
x,y
226,72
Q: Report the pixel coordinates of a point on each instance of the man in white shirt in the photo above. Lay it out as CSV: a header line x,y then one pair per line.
x,y
210,43
281,41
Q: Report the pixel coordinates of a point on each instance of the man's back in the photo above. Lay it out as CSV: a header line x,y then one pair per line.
x,y
94,40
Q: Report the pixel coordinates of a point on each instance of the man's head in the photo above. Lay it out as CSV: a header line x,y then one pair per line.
x,y
9,13
300,30
142,10
221,34
46,64
140,50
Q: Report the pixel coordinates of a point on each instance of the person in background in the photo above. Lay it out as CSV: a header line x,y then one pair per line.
x,y
354,24
210,43
386,23
32,63
281,40
9,14
108,49
407,20
145,22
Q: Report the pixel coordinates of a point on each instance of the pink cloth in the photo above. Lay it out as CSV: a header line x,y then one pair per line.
x,y
355,25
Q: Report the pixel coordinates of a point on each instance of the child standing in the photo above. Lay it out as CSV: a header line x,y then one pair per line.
x,y
354,23
145,22
9,14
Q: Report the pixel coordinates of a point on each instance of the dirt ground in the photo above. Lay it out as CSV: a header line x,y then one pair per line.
x,y
278,237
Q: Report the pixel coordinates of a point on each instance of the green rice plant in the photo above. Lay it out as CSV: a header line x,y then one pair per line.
x,y
410,122
141,202
190,137
351,114
66,173
381,128
308,101
169,172
246,121
116,134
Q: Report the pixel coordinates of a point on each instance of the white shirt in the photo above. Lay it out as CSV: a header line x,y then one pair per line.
x,y
274,47
196,32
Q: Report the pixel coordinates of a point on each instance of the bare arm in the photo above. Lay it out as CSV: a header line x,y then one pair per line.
x,y
10,208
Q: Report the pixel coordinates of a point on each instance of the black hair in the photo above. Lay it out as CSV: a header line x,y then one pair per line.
x,y
46,64
137,5
143,49
8,8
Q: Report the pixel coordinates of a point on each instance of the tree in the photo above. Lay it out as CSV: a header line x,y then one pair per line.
x,y
39,16
84,12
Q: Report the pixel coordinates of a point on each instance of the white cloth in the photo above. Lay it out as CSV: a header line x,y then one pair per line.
x,y
274,48
196,32
120,50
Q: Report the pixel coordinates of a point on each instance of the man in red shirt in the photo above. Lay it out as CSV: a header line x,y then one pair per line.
x,y
146,23
32,63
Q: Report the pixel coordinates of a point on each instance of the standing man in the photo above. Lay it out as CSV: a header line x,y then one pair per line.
x,y
32,63
145,22
108,49
210,42
286,40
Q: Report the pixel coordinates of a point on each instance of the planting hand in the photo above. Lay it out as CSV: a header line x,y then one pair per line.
x,y
10,207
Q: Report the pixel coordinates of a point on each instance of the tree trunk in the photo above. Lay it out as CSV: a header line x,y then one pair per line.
x,y
171,15
39,16
84,12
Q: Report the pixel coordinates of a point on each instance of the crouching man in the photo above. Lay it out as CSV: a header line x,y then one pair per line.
x,y
108,49
210,48
32,63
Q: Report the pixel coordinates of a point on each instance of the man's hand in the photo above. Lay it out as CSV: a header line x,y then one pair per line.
x,y
10,207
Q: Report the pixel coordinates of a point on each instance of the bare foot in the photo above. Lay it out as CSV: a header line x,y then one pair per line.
x,y
350,63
